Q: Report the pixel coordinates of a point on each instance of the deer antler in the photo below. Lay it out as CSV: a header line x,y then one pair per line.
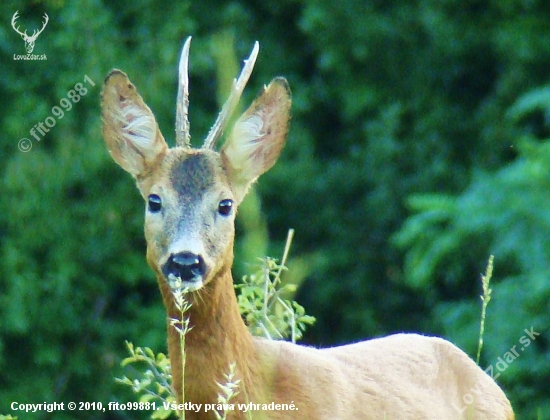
x,y
183,135
37,32
13,19
236,91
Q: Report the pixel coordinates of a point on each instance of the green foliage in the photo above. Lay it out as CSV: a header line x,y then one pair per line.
x,y
495,214
266,313
263,307
152,383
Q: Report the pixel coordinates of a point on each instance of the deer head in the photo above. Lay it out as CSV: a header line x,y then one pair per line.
x,y
29,40
191,195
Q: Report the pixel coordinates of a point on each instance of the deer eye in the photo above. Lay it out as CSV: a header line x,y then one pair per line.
x,y
155,203
225,207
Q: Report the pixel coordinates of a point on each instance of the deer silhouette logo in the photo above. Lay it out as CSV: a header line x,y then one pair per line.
x,y
29,40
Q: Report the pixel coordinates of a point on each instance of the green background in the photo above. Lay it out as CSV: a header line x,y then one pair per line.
x,y
418,147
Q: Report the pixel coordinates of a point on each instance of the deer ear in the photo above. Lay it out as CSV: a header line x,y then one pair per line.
x,y
129,127
257,137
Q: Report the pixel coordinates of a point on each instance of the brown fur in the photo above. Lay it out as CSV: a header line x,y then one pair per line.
x,y
404,376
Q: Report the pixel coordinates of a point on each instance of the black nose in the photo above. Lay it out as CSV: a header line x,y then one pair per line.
x,y
185,265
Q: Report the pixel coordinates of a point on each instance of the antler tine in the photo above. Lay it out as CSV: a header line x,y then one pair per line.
x,y
46,20
37,32
183,136
229,107
13,20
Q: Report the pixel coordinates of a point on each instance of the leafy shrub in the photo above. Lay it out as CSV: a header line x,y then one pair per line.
x,y
506,213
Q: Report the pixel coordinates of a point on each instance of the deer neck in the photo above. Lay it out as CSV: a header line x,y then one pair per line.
x,y
218,337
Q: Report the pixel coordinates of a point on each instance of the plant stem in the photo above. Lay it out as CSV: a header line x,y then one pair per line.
x,y
289,238
485,298
182,346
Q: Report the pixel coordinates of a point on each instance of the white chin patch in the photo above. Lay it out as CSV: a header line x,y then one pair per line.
x,y
177,284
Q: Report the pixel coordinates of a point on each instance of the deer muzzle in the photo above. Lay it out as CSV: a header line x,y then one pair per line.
x,y
186,267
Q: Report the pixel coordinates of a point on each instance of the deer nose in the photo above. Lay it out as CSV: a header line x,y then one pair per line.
x,y
185,265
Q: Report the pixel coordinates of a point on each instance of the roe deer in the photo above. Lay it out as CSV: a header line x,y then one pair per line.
x,y
191,198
